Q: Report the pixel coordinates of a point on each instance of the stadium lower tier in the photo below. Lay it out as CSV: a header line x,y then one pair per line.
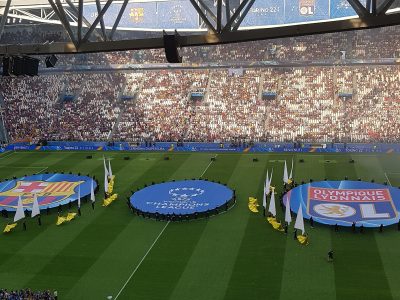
x,y
314,104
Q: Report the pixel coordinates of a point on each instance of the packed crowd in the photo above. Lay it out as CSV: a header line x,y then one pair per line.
x,y
365,44
35,108
26,294
359,104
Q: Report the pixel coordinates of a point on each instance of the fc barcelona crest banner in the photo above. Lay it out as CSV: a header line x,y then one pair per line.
x,y
51,190
347,202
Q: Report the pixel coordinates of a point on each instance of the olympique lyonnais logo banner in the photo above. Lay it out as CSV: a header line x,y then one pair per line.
x,y
351,205
307,7
344,202
51,190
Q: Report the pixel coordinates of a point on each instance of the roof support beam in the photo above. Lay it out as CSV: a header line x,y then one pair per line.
x,y
86,22
121,12
235,15
244,14
373,7
209,11
219,15
103,29
202,15
227,10
96,21
359,8
59,11
80,17
209,38
4,17
383,8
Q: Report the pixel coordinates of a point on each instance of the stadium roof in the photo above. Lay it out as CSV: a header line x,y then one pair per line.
x,y
112,25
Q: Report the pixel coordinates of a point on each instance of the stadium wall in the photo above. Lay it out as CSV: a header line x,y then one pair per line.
x,y
208,147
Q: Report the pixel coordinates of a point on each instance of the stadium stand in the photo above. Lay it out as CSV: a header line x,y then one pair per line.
x,y
335,103
25,294
307,106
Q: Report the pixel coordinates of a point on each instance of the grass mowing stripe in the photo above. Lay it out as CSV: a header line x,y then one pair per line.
x,y
134,240
130,242
140,262
250,277
358,259
6,154
208,272
32,243
385,245
364,268
18,239
306,266
85,248
164,270
205,170
180,241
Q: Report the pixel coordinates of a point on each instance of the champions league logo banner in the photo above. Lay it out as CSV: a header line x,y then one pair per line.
x,y
52,190
181,197
345,202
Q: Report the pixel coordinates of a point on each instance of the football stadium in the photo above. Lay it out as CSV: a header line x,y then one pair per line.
x,y
199,149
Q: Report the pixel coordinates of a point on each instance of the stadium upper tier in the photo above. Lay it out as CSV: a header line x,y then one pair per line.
x,y
144,15
317,104
365,44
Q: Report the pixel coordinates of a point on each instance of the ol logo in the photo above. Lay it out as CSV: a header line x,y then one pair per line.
x,y
351,204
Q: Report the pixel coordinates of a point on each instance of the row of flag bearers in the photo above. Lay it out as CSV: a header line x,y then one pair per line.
x,y
61,219
271,218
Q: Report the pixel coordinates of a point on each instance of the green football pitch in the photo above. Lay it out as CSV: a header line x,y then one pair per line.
x,y
235,255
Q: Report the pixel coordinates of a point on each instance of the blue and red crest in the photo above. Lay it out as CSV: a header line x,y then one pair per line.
x,y
50,189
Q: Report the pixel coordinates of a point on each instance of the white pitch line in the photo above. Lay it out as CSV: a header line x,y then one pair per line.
x,y
152,245
387,178
208,166
143,258
44,169
7,155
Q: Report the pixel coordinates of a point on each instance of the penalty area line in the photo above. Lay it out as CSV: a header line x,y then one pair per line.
x,y
141,261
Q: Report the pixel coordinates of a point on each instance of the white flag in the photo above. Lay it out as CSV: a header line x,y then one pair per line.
x,y
288,217
109,168
19,214
272,208
299,224
264,204
267,184
270,179
35,206
291,171
105,167
285,174
79,196
92,198
105,183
